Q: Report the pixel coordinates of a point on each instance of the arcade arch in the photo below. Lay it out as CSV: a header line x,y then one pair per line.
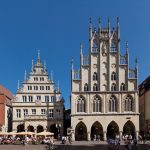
x,y
129,128
30,128
20,128
81,132
96,131
112,130
40,128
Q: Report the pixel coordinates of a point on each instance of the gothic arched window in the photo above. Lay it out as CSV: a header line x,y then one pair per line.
x,y
80,104
94,76
94,47
113,76
113,87
95,87
86,87
97,104
113,104
122,87
128,103
113,47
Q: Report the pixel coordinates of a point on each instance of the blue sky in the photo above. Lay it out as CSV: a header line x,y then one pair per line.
x,y
57,27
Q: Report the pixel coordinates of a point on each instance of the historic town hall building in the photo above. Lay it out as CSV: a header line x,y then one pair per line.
x,y
38,105
104,94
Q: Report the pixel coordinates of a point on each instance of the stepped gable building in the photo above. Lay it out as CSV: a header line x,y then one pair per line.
x,y
144,103
104,94
6,99
38,105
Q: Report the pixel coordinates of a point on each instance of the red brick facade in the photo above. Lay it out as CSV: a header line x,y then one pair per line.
x,y
144,105
6,98
2,109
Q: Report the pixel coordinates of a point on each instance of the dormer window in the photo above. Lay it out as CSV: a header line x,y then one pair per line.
x,y
41,78
35,78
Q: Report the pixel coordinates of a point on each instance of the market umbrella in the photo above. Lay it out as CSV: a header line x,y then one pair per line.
x,y
46,133
11,133
3,133
25,133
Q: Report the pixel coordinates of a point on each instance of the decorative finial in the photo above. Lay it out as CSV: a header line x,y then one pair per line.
x,y
58,86
90,29
99,23
72,61
38,55
32,69
118,29
108,23
25,76
136,68
51,75
117,21
44,65
18,84
127,47
136,62
81,48
90,22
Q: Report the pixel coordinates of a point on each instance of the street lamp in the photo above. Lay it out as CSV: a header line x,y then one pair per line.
x,y
58,126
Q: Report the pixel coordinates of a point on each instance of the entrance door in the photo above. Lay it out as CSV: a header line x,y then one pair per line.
x,y
54,130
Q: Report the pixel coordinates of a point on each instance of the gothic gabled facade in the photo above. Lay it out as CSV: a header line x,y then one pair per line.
x,y
38,105
104,94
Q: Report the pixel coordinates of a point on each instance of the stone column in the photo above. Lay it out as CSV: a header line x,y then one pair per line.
x,y
73,136
87,103
120,135
26,131
136,103
89,136
137,134
105,138
104,103
120,102
35,132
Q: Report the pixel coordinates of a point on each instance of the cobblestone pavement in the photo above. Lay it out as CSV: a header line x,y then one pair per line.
x,y
79,145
